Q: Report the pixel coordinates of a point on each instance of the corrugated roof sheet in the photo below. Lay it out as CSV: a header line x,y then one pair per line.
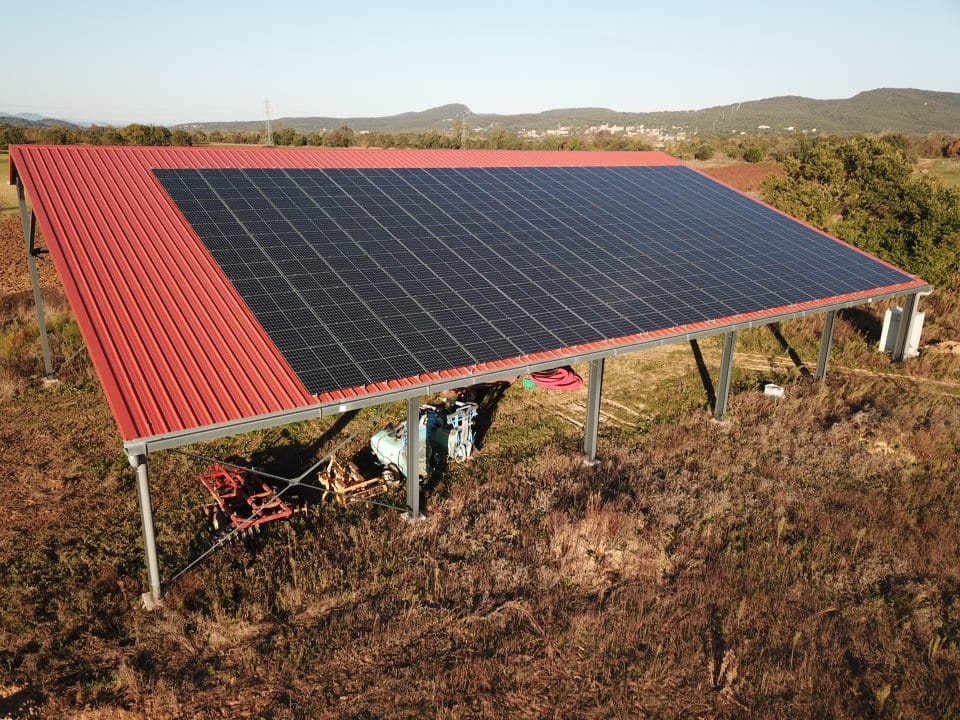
x,y
172,342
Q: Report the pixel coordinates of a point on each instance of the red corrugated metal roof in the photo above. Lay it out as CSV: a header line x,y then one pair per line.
x,y
173,344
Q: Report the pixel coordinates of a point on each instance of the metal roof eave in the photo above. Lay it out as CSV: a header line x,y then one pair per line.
x,y
182,438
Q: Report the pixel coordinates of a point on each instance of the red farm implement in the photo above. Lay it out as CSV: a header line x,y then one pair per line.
x,y
243,504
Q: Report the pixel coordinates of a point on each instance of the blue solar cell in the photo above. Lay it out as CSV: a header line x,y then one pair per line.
x,y
369,275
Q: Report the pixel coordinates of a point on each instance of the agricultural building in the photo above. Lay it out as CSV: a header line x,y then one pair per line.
x,y
224,290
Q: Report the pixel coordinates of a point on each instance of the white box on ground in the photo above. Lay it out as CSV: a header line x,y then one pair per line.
x,y
773,390
891,327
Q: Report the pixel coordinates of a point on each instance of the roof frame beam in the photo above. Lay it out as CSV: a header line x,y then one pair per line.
x,y
413,514
592,425
907,316
152,597
726,374
826,340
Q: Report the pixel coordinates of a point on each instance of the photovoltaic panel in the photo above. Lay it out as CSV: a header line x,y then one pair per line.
x,y
370,275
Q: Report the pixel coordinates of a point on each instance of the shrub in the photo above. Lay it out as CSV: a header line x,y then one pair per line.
x,y
863,191
753,154
703,151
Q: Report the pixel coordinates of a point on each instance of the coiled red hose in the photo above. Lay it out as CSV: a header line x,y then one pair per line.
x,y
561,378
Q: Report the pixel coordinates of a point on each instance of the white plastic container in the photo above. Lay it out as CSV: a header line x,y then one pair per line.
x,y
773,390
891,327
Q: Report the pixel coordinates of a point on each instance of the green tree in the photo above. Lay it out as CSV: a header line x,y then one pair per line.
x,y
863,190
57,136
753,154
100,135
160,135
11,135
341,137
284,136
181,137
137,134
703,151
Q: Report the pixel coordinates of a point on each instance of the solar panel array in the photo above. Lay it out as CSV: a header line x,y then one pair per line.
x,y
369,275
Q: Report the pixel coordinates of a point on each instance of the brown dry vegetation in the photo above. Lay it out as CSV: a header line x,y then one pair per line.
x,y
799,561
743,176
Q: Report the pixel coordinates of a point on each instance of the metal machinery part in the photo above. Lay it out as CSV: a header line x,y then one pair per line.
x,y
344,484
242,503
446,434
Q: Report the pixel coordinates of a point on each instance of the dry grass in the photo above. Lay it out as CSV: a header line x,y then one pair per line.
x,y
800,561
21,363
947,170
746,177
9,205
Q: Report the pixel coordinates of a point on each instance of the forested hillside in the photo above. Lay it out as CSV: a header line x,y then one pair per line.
x,y
874,111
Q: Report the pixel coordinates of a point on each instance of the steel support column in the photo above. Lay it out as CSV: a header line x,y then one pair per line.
x,y
29,221
726,371
906,322
826,340
151,598
413,460
592,426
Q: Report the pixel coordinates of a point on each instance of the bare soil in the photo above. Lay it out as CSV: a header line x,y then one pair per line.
x,y
745,177
799,560
14,278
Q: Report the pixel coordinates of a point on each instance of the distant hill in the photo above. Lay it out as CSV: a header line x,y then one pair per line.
x,y
873,111
435,118
32,120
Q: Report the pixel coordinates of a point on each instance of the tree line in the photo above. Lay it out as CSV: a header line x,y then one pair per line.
x,y
139,134
776,148
697,147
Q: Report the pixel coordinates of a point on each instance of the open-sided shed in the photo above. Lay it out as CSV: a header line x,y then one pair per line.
x,y
223,290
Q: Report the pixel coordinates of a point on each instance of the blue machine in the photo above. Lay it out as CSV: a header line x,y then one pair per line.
x,y
446,434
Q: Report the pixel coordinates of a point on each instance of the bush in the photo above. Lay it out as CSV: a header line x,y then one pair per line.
x,y
703,151
753,154
863,191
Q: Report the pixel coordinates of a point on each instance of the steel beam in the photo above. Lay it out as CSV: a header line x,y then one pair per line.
x,y
29,221
906,322
151,598
726,371
592,425
826,340
413,461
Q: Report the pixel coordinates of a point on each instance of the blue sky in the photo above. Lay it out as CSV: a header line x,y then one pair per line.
x,y
169,63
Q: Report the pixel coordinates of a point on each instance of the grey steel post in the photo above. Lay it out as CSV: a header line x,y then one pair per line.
x,y
29,221
594,389
726,371
903,331
151,598
413,460
826,340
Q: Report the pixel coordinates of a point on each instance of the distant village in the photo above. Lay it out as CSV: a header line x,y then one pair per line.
x,y
656,135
